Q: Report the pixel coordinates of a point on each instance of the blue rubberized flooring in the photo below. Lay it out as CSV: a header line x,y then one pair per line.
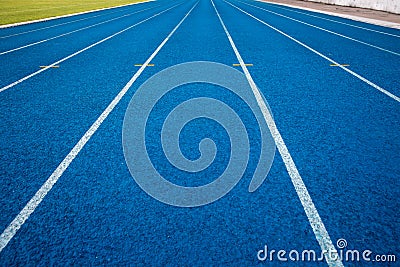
x,y
342,133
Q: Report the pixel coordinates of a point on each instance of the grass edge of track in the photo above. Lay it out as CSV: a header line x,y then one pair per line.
x,y
28,10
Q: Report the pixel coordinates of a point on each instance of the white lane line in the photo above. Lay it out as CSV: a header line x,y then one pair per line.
x,y
383,23
316,223
325,30
74,31
331,20
68,15
396,98
80,51
60,24
30,207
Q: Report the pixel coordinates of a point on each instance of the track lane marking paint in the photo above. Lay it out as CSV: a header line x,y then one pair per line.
x,y
54,67
337,65
238,65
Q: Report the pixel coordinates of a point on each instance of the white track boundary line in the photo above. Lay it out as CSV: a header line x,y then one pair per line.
x,y
315,220
74,31
30,207
60,24
68,15
331,20
80,51
389,94
325,30
378,22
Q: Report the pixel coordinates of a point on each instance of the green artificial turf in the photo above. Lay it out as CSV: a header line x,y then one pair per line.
x,y
12,11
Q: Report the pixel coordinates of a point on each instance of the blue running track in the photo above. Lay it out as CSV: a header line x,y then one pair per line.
x,y
339,123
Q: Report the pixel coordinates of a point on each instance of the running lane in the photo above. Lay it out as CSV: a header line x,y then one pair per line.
x,y
43,117
342,133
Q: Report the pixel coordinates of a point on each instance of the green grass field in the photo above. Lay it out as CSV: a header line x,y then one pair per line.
x,y
12,11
